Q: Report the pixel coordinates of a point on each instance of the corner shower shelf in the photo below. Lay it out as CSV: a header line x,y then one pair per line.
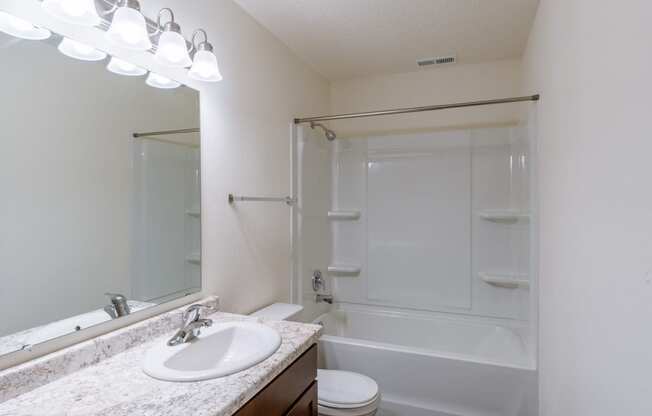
x,y
194,259
506,280
343,269
503,215
343,215
193,213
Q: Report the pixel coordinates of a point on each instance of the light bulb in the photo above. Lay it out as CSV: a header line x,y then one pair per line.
x,y
172,50
129,29
159,81
120,67
79,12
20,28
205,68
79,50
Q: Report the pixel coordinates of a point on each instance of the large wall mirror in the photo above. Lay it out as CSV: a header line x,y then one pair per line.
x,y
90,214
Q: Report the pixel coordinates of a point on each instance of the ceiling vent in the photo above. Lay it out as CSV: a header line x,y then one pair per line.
x,y
438,60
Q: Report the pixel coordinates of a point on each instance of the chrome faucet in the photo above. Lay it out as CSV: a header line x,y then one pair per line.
x,y
324,298
191,324
118,307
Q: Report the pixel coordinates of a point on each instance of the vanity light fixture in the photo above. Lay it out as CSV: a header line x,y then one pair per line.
x,y
21,28
159,81
80,51
172,50
121,67
128,28
204,67
78,12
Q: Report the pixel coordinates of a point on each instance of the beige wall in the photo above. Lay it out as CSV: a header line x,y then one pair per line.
x,y
442,85
246,123
592,63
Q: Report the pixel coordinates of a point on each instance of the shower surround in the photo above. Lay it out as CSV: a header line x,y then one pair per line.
x,y
428,235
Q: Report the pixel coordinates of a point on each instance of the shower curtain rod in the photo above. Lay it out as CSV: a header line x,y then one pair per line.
x,y
417,109
165,132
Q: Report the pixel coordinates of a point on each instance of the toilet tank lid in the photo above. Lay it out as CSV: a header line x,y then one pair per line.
x,y
278,311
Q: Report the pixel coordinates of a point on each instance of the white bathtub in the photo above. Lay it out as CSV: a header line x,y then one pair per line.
x,y
430,365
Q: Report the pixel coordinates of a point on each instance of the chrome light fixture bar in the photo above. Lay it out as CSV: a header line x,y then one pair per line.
x,y
128,28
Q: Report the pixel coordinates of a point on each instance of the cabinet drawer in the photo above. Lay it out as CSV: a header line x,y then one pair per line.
x,y
286,389
307,404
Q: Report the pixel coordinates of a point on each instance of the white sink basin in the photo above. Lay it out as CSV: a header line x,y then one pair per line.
x,y
220,350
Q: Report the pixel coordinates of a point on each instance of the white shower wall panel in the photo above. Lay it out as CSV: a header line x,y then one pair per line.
x,y
420,242
349,243
499,247
165,171
349,193
418,219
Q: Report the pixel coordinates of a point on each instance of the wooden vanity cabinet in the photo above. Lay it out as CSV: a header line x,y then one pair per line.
x,y
307,403
291,393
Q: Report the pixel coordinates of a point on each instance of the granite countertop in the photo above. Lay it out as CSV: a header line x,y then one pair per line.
x,y
117,386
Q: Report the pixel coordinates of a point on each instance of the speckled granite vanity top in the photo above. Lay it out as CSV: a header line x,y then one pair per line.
x,y
117,386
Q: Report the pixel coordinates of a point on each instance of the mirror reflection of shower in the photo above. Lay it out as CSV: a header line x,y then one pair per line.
x,y
330,134
167,168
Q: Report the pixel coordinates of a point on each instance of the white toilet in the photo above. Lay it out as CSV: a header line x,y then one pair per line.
x,y
343,393
340,393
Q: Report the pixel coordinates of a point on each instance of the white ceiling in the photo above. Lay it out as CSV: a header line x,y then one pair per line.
x,y
348,38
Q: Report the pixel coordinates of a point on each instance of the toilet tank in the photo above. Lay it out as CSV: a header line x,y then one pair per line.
x,y
279,312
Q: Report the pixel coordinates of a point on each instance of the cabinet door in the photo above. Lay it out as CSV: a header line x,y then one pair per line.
x,y
307,404
286,389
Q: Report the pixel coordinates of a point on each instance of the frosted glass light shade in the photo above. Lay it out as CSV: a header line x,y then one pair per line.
x,y
120,67
205,67
78,12
172,50
129,30
159,81
20,28
80,51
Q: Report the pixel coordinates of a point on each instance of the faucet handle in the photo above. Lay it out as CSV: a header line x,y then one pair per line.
x,y
119,304
194,312
318,282
116,296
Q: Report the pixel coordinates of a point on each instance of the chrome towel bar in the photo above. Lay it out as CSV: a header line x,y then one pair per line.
x,y
288,200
